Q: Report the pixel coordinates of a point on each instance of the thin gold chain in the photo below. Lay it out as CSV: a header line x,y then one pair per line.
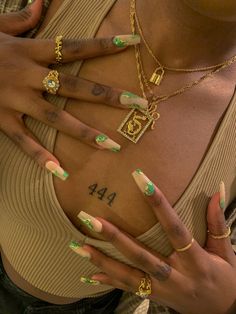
x,y
155,58
155,99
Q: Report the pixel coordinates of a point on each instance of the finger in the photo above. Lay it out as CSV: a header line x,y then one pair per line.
x,y
72,50
176,231
15,129
217,226
59,119
15,23
126,276
82,89
140,256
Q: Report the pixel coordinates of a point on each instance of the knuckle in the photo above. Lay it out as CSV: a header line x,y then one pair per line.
x,y
113,235
18,137
70,83
105,43
98,89
52,115
110,96
142,258
24,15
74,47
85,133
176,229
161,272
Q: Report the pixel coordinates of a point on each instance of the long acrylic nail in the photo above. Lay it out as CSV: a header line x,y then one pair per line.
x,y
145,185
133,101
77,248
90,222
56,170
122,41
90,281
222,195
105,142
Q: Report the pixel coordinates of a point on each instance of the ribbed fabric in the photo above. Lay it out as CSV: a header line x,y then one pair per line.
x,y
34,230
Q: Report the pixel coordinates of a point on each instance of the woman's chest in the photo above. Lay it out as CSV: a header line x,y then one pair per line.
x,y
100,182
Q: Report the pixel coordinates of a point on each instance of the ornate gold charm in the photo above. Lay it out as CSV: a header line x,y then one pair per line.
x,y
135,124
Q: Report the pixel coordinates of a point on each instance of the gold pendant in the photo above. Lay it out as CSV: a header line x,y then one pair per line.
x,y
135,124
157,76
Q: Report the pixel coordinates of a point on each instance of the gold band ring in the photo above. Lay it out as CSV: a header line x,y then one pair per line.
x,y
185,248
58,49
220,236
145,287
51,82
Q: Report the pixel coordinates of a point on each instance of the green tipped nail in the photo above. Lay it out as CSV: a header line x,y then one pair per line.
x,y
74,245
89,281
150,189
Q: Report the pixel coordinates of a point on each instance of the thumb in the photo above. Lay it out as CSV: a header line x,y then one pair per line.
x,y
15,23
217,226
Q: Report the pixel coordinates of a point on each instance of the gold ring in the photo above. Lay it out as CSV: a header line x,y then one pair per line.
x,y
145,287
58,49
220,236
185,248
51,82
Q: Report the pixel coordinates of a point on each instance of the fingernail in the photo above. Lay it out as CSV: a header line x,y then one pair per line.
x,y
105,142
222,195
133,101
90,281
56,170
145,185
90,222
122,41
30,2
77,248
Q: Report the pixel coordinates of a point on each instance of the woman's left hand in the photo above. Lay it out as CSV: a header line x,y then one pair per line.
x,y
192,280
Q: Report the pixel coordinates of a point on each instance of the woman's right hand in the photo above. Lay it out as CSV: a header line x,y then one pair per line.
x,y
24,64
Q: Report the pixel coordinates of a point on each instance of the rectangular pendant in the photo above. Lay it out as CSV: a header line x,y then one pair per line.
x,y
134,125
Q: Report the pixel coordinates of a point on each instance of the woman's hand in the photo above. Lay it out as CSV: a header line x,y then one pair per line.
x,y
192,280
24,65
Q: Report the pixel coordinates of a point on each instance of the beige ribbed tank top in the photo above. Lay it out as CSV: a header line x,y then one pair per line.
x,y
34,230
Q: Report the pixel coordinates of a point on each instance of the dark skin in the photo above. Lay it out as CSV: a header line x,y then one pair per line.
x,y
201,109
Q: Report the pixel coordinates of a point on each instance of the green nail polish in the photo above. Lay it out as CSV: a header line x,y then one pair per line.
x,y
89,281
222,204
88,223
115,150
119,42
138,171
65,174
74,245
30,1
150,189
101,138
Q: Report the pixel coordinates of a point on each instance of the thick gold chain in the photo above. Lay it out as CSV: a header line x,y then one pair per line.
x,y
143,81
199,69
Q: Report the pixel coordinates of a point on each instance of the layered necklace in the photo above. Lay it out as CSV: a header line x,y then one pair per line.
x,y
137,122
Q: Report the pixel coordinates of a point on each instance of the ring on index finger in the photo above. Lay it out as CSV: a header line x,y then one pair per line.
x,y
58,49
51,82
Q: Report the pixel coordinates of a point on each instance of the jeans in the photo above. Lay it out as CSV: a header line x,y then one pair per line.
x,y
13,300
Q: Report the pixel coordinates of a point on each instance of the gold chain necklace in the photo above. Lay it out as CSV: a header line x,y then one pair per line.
x,y
138,121
159,72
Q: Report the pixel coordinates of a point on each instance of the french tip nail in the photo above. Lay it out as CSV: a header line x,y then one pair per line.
x,y
133,101
90,222
122,41
78,249
144,184
222,195
56,170
90,281
105,142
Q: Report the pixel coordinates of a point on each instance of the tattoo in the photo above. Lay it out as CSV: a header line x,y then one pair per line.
x,y
102,194
162,273
98,89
